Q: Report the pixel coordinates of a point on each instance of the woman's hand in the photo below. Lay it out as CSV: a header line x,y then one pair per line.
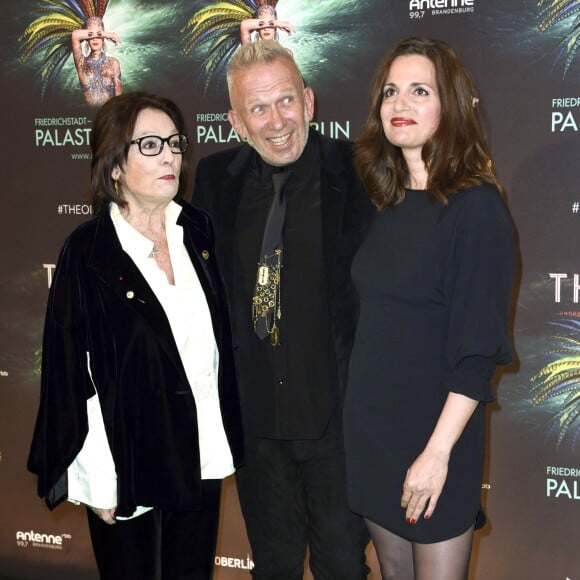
x,y
423,485
112,36
284,25
426,476
107,515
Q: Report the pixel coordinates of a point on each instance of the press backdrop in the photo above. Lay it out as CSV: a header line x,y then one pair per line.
x,y
522,54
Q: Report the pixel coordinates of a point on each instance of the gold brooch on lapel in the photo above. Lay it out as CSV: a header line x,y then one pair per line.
x,y
130,294
205,254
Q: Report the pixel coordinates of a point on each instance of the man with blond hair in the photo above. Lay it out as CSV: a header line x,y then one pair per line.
x,y
288,214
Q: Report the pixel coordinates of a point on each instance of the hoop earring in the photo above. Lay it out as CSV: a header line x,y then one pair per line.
x,y
116,186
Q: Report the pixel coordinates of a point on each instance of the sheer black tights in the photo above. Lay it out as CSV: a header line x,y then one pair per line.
x,y
401,559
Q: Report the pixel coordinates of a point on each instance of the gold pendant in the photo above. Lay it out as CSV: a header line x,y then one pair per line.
x,y
263,275
275,336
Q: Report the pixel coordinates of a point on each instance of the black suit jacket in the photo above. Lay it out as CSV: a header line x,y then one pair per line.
x,y
346,212
101,306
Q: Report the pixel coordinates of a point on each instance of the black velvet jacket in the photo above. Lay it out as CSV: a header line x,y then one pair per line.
x,y
346,214
101,306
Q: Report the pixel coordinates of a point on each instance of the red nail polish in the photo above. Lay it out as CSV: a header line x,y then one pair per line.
x,y
413,522
427,517
408,520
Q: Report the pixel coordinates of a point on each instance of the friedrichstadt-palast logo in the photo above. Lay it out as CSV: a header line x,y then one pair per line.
x,y
565,114
562,482
420,8
215,128
32,539
62,131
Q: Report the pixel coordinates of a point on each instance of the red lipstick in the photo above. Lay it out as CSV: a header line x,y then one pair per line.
x,y
402,121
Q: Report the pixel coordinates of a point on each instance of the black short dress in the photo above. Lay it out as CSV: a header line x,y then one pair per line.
x,y
435,283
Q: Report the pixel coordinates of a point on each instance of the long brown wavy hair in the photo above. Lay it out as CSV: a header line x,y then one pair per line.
x,y
456,156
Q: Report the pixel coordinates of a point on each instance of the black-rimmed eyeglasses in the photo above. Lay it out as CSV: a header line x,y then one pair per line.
x,y
152,145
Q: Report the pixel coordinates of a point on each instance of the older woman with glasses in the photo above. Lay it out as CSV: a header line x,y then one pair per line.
x,y
139,414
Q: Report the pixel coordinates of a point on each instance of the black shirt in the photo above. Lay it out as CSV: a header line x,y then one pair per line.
x,y
300,373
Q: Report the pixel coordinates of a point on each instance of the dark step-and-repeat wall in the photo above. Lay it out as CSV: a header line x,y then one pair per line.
x,y
523,55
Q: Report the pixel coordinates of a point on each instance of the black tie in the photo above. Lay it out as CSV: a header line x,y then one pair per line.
x,y
266,302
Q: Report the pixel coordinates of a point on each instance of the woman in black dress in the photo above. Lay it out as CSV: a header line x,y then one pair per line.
x,y
434,277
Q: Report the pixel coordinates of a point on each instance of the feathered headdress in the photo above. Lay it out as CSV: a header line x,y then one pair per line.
x,y
49,34
558,382
214,30
553,12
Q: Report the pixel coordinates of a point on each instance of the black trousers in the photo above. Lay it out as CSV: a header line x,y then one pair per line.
x,y
293,495
160,544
